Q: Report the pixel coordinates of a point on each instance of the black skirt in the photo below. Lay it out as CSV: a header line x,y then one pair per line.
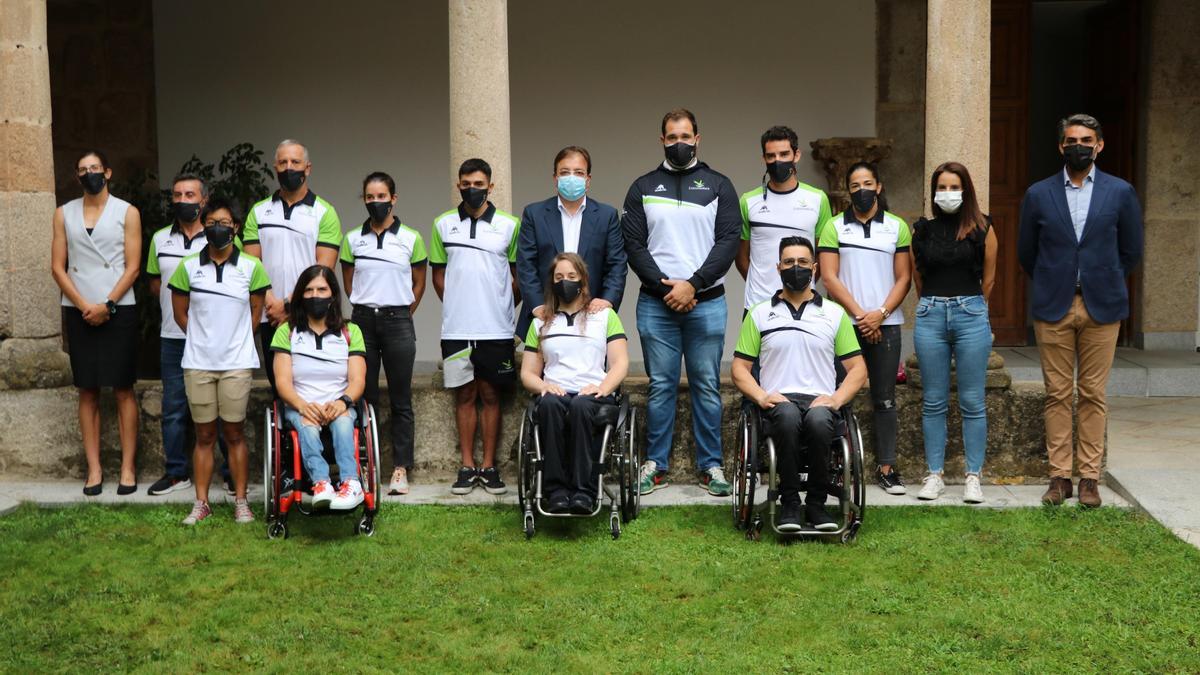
x,y
104,355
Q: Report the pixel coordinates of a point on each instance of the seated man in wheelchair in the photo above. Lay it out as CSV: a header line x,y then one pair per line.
x,y
320,371
795,337
564,364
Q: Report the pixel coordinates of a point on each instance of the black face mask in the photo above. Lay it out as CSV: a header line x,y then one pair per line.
x,y
184,212
379,210
219,236
567,290
317,308
796,278
93,182
290,180
1078,156
473,197
780,171
680,154
863,200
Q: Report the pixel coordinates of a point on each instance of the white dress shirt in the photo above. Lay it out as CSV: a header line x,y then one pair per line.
x,y
571,225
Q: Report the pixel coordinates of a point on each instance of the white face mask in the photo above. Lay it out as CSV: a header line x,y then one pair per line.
x,y
949,201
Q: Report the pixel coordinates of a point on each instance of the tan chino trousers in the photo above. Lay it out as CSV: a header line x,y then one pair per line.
x,y
1076,338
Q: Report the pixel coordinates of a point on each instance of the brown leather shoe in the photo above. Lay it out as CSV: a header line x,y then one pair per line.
x,y
1058,492
1089,493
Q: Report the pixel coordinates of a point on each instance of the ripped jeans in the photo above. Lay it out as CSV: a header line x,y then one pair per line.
x,y
883,360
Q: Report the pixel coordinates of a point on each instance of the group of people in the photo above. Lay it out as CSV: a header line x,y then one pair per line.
x,y
800,355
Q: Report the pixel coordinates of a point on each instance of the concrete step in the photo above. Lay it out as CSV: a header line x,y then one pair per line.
x,y
1134,373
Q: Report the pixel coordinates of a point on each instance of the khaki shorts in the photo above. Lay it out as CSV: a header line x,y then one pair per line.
x,y
217,393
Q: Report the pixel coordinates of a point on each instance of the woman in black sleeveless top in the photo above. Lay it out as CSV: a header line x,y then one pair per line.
x,y
954,256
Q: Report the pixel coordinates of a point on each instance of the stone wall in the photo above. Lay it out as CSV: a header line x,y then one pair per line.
x,y
33,447
1169,128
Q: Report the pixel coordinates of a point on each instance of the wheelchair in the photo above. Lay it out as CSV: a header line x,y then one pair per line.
x,y
756,455
286,485
618,466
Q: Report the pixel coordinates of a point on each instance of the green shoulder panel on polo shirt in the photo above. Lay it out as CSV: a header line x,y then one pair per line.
x,y
904,239
744,207
259,281
845,342
419,254
828,240
329,230
823,216
616,331
437,252
512,244
180,282
346,255
250,228
358,347
282,340
749,339
531,338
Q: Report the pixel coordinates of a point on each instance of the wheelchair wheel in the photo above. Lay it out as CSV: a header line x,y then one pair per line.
x,y
745,474
366,526
268,464
373,458
858,492
525,472
633,463
277,530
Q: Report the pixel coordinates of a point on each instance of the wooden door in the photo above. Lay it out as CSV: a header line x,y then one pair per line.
x,y
1011,23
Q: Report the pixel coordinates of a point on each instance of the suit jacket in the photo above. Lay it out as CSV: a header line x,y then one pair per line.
x,y
1106,252
601,246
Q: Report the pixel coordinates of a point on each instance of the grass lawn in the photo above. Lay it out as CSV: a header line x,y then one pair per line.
x,y
459,589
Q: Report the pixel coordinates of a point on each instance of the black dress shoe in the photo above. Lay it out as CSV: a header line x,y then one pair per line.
x,y
123,489
582,504
558,503
93,490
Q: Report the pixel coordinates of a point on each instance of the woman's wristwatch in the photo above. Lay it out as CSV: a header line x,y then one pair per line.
x,y
884,311
347,400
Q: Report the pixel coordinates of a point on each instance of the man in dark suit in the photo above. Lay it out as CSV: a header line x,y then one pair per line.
x,y
1081,235
569,222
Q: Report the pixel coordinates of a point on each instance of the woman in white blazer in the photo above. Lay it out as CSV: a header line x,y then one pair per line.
x,y
95,258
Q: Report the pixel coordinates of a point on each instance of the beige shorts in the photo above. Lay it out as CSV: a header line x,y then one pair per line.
x,y
217,393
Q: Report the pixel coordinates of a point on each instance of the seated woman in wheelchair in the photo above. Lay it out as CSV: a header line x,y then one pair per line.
x,y
795,337
564,364
320,371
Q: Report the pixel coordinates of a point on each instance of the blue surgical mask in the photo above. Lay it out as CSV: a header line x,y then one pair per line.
x,y
572,187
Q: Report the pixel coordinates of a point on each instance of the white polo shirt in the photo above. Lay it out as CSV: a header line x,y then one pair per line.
x,y
168,247
290,235
320,370
575,347
477,254
767,218
796,347
383,263
219,334
866,253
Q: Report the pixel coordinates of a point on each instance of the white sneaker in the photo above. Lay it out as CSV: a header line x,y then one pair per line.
x,y
933,488
972,493
322,494
399,484
349,496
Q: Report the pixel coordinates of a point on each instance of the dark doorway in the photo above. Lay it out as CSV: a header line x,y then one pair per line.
x,y
1085,59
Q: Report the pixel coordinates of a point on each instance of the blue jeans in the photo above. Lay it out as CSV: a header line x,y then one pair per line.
x,y
312,450
698,337
957,327
175,413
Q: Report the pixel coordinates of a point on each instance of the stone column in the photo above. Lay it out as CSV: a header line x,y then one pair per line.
x,y
958,90
30,354
1169,129
479,109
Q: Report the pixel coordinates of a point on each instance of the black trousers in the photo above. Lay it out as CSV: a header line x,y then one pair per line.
x,y
883,360
570,442
793,426
391,341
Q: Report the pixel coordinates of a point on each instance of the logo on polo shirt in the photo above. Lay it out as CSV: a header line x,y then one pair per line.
x,y
660,188
772,315
454,229
361,243
763,208
168,243
698,185
300,339
199,274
